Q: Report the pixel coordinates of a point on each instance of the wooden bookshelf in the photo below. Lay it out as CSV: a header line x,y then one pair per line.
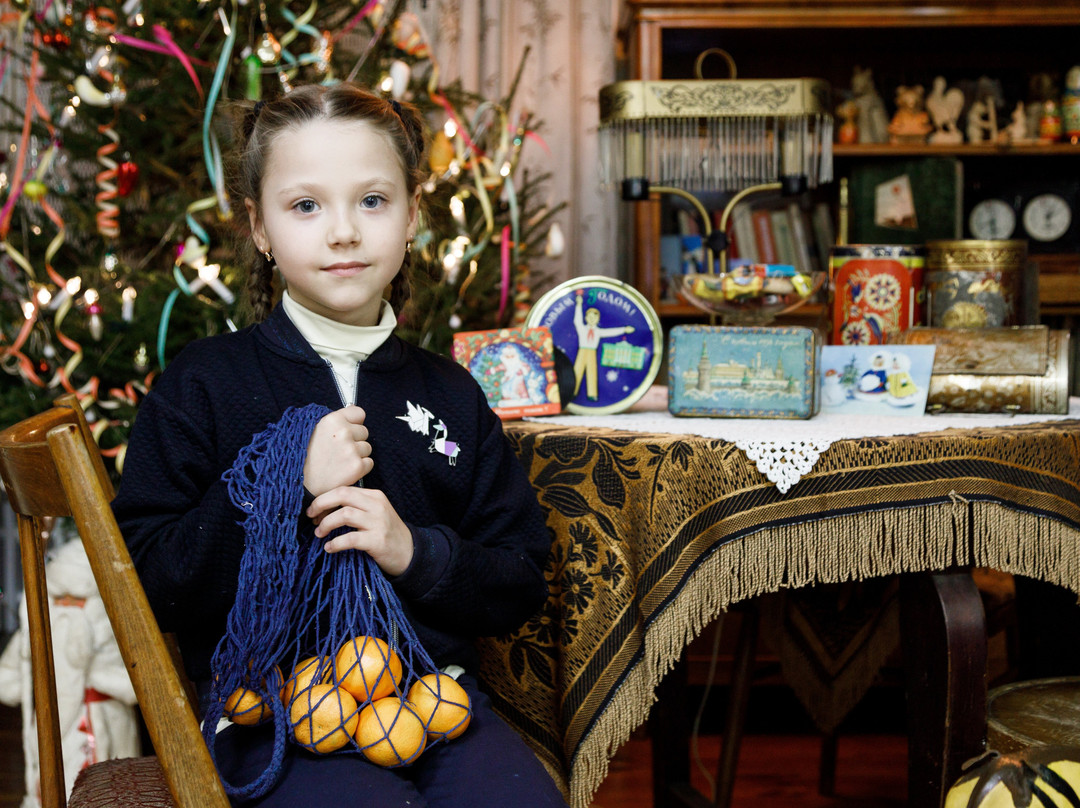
x,y
905,39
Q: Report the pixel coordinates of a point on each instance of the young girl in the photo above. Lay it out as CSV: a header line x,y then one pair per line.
x,y
331,180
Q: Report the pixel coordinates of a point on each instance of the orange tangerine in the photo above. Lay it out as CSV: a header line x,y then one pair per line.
x,y
367,668
313,670
441,704
390,733
323,717
245,706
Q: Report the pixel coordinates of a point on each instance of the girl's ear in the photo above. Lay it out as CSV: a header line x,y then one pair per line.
x,y
258,232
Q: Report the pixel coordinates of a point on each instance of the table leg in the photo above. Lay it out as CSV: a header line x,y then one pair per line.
x,y
943,632
669,729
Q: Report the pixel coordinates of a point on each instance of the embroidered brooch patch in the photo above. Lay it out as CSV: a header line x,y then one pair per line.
x,y
419,419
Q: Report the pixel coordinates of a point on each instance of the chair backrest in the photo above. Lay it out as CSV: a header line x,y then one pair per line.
x,y
51,467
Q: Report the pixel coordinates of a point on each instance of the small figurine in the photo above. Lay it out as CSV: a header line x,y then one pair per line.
x,y
1017,130
910,124
848,131
1041,88
873,123
978,122
1070,105
982,123
944,107
1050,122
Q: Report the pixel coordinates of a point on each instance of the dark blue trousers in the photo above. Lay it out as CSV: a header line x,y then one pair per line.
x,y
488,766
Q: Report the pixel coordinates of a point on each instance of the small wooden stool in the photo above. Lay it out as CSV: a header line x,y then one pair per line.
x,y
1040,712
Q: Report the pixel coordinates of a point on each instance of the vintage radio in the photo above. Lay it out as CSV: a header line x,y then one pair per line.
x,y
743,371
1016,369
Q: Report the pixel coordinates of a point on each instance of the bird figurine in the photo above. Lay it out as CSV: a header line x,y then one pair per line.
x,y
944,106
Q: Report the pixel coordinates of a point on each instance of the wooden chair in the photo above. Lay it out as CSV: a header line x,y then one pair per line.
x,y
51,467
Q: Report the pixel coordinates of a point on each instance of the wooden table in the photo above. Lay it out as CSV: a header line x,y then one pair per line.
x,y
654,535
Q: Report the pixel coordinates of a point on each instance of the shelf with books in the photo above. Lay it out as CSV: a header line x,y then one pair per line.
x,y
907,42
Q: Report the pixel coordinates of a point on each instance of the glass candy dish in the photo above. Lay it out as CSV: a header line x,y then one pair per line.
x,y
751,294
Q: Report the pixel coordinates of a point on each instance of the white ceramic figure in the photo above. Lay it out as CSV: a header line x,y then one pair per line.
x,y
945,105
94,695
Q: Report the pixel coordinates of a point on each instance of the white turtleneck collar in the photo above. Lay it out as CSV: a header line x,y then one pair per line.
x,y
344,346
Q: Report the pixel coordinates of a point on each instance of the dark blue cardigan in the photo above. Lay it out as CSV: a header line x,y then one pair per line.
x,y
479,536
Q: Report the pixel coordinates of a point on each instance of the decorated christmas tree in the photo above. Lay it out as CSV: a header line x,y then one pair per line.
x,y
117,230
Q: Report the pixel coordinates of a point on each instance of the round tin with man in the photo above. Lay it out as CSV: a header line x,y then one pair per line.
x,y
610,333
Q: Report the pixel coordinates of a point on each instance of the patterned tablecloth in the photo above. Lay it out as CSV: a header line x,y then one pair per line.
x,y
655,534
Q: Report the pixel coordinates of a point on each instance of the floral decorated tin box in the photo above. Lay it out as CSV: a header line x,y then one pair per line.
x,y
743,371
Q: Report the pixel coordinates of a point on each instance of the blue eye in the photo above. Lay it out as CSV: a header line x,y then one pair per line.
x,y
306,206
371,201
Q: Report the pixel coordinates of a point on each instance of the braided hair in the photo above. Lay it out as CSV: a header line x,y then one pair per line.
x,y
261,123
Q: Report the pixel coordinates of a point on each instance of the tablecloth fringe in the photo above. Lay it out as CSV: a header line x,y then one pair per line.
x,y
875,543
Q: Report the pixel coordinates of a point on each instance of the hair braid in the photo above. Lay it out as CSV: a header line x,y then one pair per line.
x,y
260,288
400,288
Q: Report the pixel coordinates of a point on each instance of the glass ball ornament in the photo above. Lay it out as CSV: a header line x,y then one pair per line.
x,y
35,190
269,49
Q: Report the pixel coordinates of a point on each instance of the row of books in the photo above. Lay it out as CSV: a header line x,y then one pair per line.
x,y
783,232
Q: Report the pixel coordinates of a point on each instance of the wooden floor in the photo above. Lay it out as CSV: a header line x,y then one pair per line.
x,y
774,770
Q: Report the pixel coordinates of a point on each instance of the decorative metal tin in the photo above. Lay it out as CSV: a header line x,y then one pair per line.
x,y
876,290
743,372
974,283
1019,369
611,334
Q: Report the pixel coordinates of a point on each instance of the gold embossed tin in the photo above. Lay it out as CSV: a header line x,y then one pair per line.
x,y
1021,369
974,283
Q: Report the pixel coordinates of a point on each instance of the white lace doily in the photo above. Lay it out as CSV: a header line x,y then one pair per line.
x,y
785,450
784,462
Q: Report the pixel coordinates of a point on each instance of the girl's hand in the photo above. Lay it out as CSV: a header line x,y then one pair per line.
x,y
338,452
377,528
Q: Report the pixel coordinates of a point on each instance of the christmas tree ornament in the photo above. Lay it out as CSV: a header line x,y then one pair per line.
x,y
127,175
89,94
108,214
93,312
409,36
141,360
118,91
323,52
57,39
400,73
99,21
556,242
252,77
35,190
441,153
127,309
67,291
268,49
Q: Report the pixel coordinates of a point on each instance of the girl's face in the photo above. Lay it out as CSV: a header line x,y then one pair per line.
x,y
337,216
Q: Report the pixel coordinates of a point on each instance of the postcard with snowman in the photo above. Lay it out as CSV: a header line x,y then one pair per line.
x,y
875,379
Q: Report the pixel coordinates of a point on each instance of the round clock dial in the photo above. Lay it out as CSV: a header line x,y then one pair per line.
x,y
1047,217
992,219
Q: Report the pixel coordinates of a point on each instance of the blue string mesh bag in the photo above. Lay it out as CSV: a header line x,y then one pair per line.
x,y
317,642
